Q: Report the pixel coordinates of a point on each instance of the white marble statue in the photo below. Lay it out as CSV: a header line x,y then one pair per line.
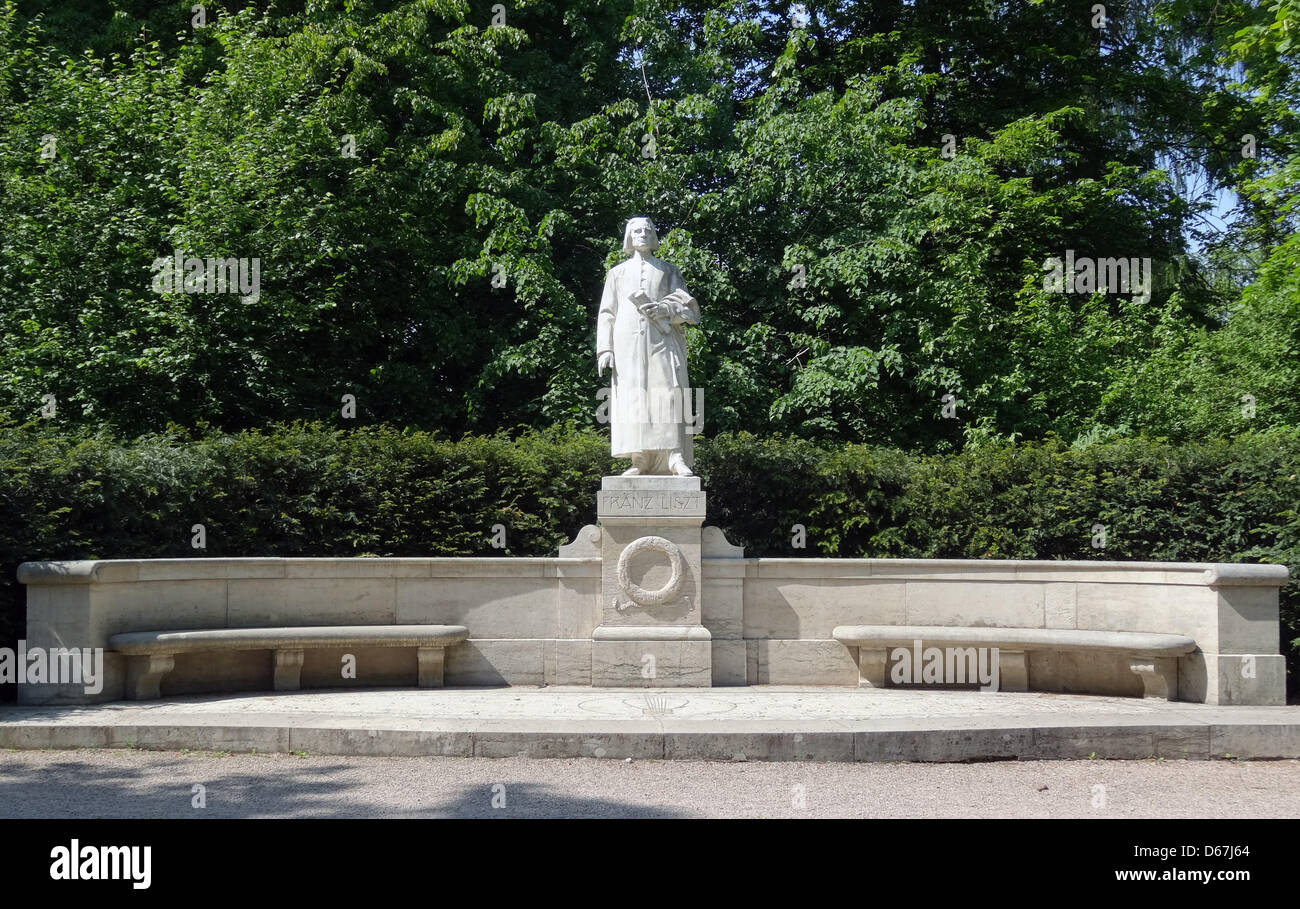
x,y
640,336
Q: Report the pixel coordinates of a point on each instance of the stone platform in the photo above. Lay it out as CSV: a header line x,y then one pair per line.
x,y
772,723
560,621
650,597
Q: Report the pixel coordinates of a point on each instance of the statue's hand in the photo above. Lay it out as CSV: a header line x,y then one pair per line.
x,y
603,362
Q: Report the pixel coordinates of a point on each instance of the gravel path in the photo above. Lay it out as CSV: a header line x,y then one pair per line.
x,y
139,784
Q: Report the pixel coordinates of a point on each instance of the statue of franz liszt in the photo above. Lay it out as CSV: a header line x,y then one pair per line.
x,y
640,336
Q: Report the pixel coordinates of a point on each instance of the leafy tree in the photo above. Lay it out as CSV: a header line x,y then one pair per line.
x,y
912,163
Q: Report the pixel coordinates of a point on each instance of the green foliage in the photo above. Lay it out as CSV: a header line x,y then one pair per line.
x,y
1205,383
375,268
1267,99
520,150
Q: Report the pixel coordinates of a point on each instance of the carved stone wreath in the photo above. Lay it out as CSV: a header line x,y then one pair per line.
x,y
640,595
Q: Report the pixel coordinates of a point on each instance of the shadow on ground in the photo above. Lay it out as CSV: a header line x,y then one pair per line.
x,y
162,785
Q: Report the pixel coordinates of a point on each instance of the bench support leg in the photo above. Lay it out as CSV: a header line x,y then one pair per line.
x,y
871,667
432,661
1013,670
144,674
288,670
1159,677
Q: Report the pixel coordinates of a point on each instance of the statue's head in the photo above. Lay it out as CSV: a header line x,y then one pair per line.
x,y
641,235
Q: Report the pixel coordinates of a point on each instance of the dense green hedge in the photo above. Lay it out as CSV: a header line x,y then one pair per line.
x,y
307,490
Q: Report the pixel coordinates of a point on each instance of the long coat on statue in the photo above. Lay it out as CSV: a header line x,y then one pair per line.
x,y
647,407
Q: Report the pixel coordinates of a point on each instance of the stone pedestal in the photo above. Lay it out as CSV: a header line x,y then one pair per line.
x,y
650,634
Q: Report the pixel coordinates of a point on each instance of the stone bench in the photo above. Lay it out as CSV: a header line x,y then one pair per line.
x,y
1152,656
151,654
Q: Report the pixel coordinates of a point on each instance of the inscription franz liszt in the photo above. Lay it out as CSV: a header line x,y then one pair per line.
x,y
659,502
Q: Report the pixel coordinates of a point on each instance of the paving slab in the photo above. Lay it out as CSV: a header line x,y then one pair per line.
x,y
760,723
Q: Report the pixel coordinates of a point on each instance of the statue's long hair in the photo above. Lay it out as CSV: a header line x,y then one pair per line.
x,y
627,236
